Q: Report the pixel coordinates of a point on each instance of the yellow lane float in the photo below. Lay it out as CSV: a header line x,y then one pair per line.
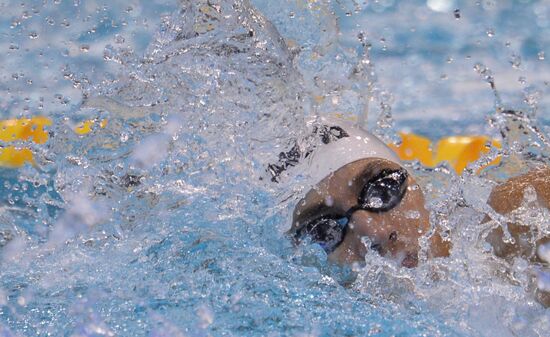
x,y
458,151
85,127
22,129
30,129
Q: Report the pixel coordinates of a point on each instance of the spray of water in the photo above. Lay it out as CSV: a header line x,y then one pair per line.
x,y
164,222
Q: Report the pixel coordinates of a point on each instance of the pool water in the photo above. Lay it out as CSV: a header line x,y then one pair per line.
x,y
165,222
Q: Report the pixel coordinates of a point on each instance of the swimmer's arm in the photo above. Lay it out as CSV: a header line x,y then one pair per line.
x,y
509,196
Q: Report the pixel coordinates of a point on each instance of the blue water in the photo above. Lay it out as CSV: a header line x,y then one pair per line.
x,y
163,223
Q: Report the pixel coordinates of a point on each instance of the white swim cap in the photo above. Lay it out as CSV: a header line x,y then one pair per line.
x,y
359,144
343,142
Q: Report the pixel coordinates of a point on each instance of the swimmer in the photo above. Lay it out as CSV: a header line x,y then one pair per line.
x,y
361,191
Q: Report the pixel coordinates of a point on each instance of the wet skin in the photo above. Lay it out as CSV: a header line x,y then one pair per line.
x,y
393,233
506,198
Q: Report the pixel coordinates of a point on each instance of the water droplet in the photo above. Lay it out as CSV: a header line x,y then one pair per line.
x,y
543,281
375,202
119,39
443,77
544,252
85,48
292,15
490,32
22,301
124,137
522,80
15,23
450,59
540,55
457,13
515,61
412,215
33,35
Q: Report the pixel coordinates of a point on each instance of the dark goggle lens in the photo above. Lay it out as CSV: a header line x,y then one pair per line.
x,y
384,191
327,231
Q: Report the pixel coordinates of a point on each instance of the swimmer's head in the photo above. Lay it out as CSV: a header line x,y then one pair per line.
x,y
370,198
361,198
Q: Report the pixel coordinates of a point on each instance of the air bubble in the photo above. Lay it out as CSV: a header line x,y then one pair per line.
x,y
490,32
540,55
33,35
515,61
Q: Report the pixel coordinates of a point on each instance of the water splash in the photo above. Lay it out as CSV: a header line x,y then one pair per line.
x,y
160,223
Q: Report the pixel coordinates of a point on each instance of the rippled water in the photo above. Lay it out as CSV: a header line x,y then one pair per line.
x,y
164,223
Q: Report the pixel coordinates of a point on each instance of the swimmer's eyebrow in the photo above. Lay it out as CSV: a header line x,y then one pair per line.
x,y
373,170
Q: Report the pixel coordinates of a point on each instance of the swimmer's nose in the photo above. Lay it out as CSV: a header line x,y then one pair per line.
x,y
387,238
378,228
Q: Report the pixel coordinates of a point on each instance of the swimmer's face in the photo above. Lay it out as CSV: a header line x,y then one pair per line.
x,y
370,198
